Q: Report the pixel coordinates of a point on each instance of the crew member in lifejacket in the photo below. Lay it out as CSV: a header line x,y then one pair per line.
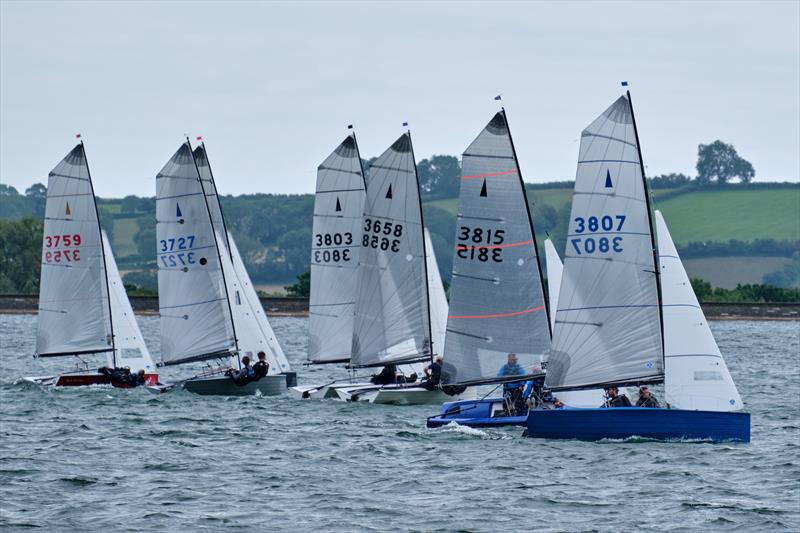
x,y
615,399
513,391
387,376
122,377
646,399
243,376
433,374
261,368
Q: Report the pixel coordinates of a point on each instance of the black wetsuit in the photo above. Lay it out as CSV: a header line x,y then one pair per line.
x,y
386,376
243,376
260,370
619,401
650,401
434,378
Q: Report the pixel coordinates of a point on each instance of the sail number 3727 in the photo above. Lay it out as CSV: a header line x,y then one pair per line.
x,y
176,251
598,225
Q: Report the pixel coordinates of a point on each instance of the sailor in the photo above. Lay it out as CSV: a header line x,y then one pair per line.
x,y
433,374
513,393
261,368
243,376
615,399
646,399
386,376
138,378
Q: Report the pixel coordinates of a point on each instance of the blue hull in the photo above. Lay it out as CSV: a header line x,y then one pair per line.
x,y
476,414
627,422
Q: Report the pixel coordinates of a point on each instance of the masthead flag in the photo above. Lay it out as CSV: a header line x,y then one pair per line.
x,y
77,135
498,97
405,124
624,83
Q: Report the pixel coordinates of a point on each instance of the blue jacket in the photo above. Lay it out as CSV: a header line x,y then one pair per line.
x,y
511,370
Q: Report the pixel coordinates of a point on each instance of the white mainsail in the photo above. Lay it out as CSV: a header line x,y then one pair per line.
x,y
608,324
392,317
74,310
437,298
335,253
696,374
497,301
131,350
196,322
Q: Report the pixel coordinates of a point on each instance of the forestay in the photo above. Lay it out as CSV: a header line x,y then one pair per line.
x,y
196,322
74,312
696,374
131,350
335,252
392,320
497,301
608,325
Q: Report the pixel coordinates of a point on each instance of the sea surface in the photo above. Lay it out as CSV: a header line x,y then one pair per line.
x,y
104,459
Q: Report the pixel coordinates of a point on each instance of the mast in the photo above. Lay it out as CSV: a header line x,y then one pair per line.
x,y
103,253
424,248
219,202
656,260
530,221
216,246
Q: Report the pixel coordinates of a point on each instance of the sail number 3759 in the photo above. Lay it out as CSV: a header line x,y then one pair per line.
x,y
68,244
595,225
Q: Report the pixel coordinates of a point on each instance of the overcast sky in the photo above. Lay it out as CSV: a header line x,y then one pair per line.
x,y
272,86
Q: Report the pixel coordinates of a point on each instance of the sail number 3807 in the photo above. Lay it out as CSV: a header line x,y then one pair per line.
x,y
595,225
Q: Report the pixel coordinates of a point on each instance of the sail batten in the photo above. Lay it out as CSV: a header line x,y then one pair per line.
x,y
497,303
392,310
607,326
335,253
198,324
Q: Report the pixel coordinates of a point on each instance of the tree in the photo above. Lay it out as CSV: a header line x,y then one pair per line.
x,y
37,190
20,254
721,162
8,190
302,287
702,289
440,175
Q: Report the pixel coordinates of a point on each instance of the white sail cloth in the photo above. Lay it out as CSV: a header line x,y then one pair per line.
x,y
497,303
131,350
74,312
335,253
392,320
608,326
437,298
196,322
696,374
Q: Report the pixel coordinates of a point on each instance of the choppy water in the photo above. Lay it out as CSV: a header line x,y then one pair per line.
x,y
102,459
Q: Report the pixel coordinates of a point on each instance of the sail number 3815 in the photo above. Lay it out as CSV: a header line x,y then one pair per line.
x,y
480,244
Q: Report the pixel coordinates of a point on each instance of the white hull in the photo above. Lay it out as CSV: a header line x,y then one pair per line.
x,y
322,392
400,395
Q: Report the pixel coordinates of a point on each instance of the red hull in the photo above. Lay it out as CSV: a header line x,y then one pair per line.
x,y
82,380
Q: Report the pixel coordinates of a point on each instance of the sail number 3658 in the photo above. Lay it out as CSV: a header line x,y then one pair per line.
x,y
591,245
378,234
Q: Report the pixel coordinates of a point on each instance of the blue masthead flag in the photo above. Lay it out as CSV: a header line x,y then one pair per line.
x,y
624,83
405,124
498,97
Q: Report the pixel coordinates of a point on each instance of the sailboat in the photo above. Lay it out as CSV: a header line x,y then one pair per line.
x,y
83,307
392,322
201,299
617,321
497,297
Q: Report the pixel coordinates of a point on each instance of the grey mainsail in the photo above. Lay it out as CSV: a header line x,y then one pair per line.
x,y
335,253
74,308
497,302
608,325
392,317
196,320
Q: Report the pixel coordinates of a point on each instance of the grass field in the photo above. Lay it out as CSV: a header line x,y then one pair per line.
x,y
744,215
124,231
727,272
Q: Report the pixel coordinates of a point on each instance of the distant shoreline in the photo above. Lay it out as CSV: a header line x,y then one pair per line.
x,y
13,304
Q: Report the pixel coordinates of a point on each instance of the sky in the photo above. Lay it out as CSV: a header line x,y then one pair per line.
x,y
272,86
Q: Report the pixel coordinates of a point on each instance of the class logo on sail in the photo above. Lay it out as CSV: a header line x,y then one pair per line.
x,y
608,184
68,211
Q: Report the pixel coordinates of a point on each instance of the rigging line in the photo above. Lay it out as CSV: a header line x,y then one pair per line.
x,y
179,196
499,315
56,175
493,246
490,174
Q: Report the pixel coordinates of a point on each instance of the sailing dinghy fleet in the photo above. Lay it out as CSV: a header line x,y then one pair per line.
x,y
619,312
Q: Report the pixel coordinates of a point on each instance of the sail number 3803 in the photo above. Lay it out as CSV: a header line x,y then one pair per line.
x,y
340,240
598,225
